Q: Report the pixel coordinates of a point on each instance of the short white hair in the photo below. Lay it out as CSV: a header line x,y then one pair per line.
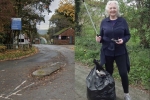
x,y
107,7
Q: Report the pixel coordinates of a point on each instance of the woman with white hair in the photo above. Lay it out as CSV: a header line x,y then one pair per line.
x,y
114,34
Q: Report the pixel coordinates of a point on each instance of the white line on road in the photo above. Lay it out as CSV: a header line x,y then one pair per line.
x,y
16,91
20,85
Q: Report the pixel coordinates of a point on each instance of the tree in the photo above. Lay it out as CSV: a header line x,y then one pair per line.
x,y
63,17
67,8
137,15
25,9
144,26
77,10
60,21
6,12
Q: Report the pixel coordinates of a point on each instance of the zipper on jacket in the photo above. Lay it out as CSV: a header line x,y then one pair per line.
x,y
113,36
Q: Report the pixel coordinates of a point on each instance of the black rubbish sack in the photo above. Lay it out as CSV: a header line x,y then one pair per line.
x,y
100,87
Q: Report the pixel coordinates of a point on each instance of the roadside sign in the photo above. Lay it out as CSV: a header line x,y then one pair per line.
x,y
16,24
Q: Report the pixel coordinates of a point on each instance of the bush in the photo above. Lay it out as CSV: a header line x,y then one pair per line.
x,y
2,48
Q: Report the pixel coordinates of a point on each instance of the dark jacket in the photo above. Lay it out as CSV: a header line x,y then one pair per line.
x,y
108,31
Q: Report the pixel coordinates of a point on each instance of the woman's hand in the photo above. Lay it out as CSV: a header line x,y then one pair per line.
x,y
120,41
98,38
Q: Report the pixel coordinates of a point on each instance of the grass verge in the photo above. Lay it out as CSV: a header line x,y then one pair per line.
x,y
17,54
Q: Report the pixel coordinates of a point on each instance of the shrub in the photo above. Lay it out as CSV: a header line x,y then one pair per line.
x,y
2,48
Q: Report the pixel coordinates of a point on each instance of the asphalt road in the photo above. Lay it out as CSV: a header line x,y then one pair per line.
x,y
17,83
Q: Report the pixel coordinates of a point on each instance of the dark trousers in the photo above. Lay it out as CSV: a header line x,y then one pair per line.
x,y
121,64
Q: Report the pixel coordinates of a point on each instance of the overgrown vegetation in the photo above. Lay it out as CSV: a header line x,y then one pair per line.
x,y
86,48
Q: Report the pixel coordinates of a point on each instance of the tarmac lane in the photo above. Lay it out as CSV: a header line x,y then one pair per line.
x,y
17,83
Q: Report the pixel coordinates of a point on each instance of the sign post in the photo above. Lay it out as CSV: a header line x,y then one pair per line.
x,y
16,25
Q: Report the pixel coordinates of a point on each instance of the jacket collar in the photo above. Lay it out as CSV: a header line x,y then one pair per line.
x,y
118,19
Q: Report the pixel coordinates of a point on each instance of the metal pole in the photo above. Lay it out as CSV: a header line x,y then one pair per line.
x,y
90,18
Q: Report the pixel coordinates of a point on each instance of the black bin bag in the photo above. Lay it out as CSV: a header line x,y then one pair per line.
x,y
100,87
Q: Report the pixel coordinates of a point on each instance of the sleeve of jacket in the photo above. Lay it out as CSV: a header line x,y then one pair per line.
x,y
127,33
101,32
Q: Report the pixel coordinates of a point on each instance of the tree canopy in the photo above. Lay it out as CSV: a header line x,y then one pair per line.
x,y
30,11
67,8
63,17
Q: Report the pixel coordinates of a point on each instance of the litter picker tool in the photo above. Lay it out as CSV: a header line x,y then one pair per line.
x,y
90,18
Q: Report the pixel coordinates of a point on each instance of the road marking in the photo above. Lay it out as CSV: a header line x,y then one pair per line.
x,y
15,91
20,85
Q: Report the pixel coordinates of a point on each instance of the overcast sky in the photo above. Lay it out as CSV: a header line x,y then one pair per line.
x,y
54,5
